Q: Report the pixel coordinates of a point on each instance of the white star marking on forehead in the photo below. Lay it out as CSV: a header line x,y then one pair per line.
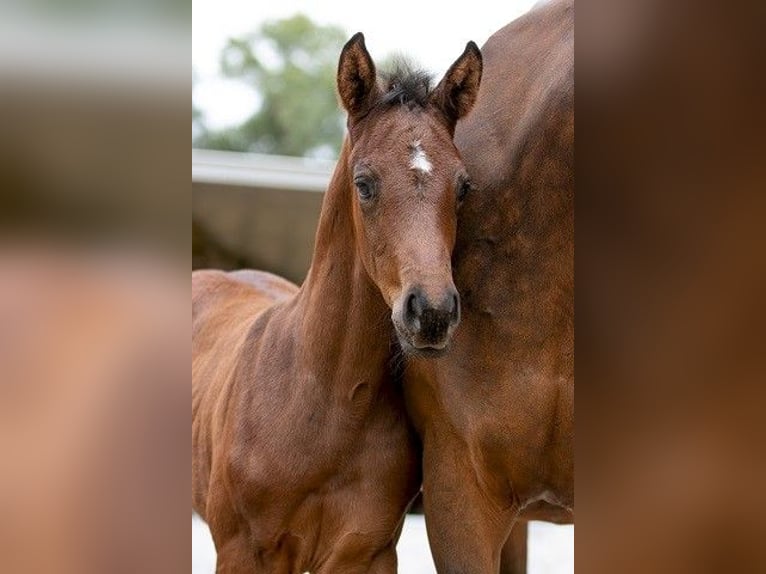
x,y
419,161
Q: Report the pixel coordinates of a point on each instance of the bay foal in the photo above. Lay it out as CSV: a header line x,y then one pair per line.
x,y
496,414
302,456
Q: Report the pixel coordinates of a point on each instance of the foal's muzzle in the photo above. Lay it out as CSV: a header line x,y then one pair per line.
x,y
427,322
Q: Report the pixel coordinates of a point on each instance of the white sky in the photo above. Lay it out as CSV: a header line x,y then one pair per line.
x,y
433,34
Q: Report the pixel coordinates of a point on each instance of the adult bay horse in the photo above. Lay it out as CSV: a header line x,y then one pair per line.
x,y
496,414
302,455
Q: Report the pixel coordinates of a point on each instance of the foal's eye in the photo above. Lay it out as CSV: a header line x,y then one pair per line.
x,y
365,188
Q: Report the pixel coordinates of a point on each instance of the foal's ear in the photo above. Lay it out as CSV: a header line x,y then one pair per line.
x,y
356,76
456,93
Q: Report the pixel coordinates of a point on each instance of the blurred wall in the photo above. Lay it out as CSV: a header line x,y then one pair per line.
x,y
255,211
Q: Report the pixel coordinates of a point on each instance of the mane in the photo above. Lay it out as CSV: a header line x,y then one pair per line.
x,y
404,85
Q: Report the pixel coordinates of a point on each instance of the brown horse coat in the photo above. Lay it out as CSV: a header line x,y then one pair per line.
x,y
93,376
496,414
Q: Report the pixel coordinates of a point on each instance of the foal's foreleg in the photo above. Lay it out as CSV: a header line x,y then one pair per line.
x,y
236,552
238,557
384,563
350,560
234,556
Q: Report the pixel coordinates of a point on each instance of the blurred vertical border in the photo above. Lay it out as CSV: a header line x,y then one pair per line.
x,y
94,309
671,287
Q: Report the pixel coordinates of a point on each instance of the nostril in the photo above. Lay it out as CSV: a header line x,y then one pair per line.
x,y
411,304
455,307
414,307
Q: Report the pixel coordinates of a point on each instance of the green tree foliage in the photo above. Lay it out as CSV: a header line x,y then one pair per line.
x,y
291,63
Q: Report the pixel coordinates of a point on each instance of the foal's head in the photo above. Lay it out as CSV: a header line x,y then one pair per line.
x,y
408,182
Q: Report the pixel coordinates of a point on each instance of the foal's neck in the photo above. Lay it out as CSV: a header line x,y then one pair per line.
x,y
346,326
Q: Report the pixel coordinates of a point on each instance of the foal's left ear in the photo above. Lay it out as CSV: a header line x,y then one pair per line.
x,y
356,76
456,93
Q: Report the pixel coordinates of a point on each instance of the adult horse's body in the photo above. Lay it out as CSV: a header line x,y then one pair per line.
x,y
303,459
496,415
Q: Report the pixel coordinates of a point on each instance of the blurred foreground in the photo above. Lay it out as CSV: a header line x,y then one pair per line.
x,y
94,399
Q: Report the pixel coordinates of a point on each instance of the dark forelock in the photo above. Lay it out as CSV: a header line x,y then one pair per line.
x,y
404,85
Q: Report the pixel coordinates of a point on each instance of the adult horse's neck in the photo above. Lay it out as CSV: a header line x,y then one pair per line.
x,y
346,326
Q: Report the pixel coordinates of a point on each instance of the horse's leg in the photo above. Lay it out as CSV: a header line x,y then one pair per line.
x,y
235,550
354,557
466,527
237,556
385,562
230,535
234,556
513,559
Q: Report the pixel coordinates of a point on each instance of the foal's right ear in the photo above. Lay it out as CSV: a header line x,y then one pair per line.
x,y
456,93
356,76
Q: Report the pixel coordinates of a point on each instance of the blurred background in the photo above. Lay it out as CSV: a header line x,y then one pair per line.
x,y
89,108
266,130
